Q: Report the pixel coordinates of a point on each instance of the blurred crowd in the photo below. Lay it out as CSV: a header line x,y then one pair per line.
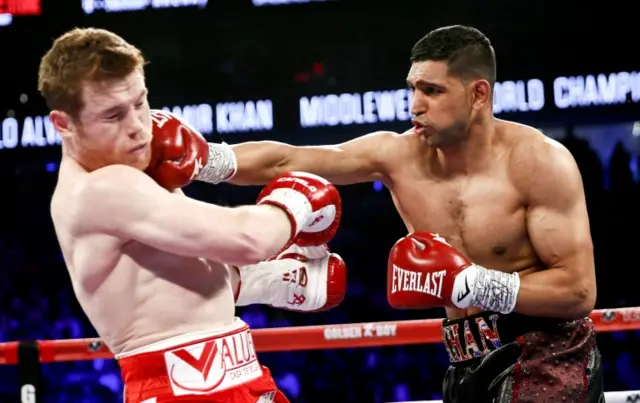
x,y
38,302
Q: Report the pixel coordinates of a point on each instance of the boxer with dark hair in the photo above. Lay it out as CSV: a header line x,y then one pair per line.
x,y
513,262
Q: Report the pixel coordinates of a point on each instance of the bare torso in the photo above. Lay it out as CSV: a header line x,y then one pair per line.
x,y
133,294
481,214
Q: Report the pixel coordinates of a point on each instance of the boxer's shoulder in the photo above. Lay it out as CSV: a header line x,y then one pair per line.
x,y
381,148
97,195
383,138
107,180
522,139
538,162
392,146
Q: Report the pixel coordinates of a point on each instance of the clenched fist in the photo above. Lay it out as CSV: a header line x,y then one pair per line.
x,y
424,271
178,152
312,204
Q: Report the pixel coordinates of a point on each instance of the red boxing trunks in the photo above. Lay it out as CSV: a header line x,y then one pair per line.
x,y
220,366
513,358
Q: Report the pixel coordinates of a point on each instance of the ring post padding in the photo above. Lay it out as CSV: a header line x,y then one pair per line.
x,y
30,372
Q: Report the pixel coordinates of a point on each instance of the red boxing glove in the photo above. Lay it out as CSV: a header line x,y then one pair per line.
x,y
178,151
312,203
424,271
421,272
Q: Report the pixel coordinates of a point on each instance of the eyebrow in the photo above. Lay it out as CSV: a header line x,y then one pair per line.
x,y
116,108
424,83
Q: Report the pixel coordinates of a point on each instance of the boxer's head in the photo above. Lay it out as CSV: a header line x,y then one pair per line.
x,y
93,82
453,70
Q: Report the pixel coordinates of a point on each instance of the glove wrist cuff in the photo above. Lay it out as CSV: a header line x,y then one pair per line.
x,y
294,203
494,290
221,165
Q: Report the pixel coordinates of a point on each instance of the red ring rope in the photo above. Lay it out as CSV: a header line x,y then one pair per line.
x,y
373,334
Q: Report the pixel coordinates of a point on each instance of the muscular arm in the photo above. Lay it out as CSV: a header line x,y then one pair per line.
x,y
558,228
127,204
358,160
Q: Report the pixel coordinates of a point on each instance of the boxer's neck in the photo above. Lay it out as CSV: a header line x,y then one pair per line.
x,y
471,154
69,152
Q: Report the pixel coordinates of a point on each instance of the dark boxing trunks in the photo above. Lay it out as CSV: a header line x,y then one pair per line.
x,y
498,358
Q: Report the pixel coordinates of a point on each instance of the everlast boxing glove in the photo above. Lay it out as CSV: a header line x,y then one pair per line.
x,y
424,271
311,202
180,155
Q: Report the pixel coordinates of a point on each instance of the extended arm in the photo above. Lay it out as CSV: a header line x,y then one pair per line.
x,y
358,160
181,154
558,228
128,204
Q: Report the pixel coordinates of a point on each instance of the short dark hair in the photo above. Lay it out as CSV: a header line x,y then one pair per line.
x,y
466,51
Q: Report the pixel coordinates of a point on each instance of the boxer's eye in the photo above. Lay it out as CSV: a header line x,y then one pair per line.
x,y
431,91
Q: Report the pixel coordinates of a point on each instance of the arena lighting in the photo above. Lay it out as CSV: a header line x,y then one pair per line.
x,y
20,7
17,8
5,19
117,6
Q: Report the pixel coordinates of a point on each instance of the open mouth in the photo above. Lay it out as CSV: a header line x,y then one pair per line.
x,y
419,128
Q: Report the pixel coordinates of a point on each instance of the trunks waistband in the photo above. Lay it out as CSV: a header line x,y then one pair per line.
x,y
475,336
184,339
201,366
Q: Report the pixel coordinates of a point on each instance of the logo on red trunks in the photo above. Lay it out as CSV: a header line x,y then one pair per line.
x,y
205,362
212,365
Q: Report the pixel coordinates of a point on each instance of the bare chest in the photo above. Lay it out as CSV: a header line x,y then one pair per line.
x,y
482,216
149,295
169,272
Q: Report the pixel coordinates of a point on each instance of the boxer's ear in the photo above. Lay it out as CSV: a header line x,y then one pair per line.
x,y
481,93
62,122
